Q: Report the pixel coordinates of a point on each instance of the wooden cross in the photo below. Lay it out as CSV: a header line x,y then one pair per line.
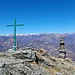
x,y
15,46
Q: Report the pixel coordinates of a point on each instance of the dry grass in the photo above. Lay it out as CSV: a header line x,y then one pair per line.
x,y
68,60
52,70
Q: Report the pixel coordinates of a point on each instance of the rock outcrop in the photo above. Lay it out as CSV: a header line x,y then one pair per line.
x,y
29,61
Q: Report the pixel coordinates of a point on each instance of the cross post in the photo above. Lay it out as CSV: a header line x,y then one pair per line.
x,y
15,44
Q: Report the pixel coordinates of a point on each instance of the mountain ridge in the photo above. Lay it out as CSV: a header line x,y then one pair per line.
x,y
35,34
49,42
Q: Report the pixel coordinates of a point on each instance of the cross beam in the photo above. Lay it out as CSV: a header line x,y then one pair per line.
x,y
15,46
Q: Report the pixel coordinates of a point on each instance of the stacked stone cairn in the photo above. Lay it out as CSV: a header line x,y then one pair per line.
x,y
62,49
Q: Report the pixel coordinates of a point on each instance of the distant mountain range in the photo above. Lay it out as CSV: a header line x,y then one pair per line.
x,y
49,42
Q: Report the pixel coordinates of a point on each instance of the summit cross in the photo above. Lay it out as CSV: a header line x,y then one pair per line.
x,y
15,44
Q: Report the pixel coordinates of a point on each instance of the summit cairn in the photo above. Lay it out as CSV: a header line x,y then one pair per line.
x,y
62,49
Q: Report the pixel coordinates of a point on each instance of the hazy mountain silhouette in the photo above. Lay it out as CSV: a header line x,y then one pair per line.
x,y
50,42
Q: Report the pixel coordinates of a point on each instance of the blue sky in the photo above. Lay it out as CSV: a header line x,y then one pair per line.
x,y
38,16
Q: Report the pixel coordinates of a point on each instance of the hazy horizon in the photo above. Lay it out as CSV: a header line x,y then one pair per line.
x,y
38,33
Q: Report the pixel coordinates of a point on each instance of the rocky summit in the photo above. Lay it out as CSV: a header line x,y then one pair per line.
x,y
29,61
